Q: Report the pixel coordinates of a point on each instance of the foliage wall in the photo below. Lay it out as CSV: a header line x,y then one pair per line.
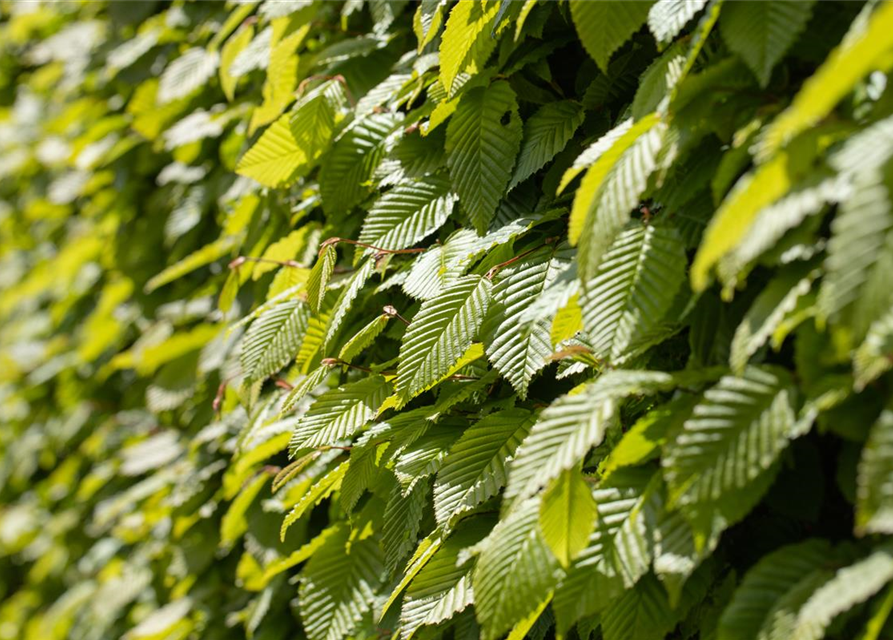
x,y
377,319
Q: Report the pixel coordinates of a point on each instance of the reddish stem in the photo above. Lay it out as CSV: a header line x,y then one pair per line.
x,y
332,241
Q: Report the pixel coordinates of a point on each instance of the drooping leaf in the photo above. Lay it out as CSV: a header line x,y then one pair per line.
x,y
762,32
604,26
272,340
338,584
567,515
514,553
408,213
440,334
483,138
340,413
626,303
475,468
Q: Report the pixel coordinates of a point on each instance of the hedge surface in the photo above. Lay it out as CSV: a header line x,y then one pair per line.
x,y
377,319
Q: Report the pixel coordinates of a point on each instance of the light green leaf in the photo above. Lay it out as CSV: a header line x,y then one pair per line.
x,y
440,333
195,260
338,586
483,138
625,304
467,42
273,339
515,554
475,468
620,548
567,515
408,213
340,413
610,190
546,133
713,454
859,53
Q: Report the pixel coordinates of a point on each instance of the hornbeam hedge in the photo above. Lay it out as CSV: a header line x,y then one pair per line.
x,y
476,319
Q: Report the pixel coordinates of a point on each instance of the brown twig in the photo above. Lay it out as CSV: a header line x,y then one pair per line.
x,y
238,262
495,269
392,312
336,240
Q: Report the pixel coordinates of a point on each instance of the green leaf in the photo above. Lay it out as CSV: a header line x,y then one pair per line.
x,y
567,515
195,260
318,491
859,53
340,413
402,520
872,358
713,454
625,304
483,138
619,550
233,47
304,386
766,584
855,290
338,586
186,74
475,468
546,134
345,174
604,26
348,294
427,20
762,32
572,425
440,333
466,43
408,213
295,141
318,280
519,350
443,586
363,338
874,504
515,554
781,298
610,190
850,586
273,339
234,524
666,18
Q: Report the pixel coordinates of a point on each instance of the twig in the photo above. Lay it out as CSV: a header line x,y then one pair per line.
x,y
495,269
392,312
238,262
332,241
